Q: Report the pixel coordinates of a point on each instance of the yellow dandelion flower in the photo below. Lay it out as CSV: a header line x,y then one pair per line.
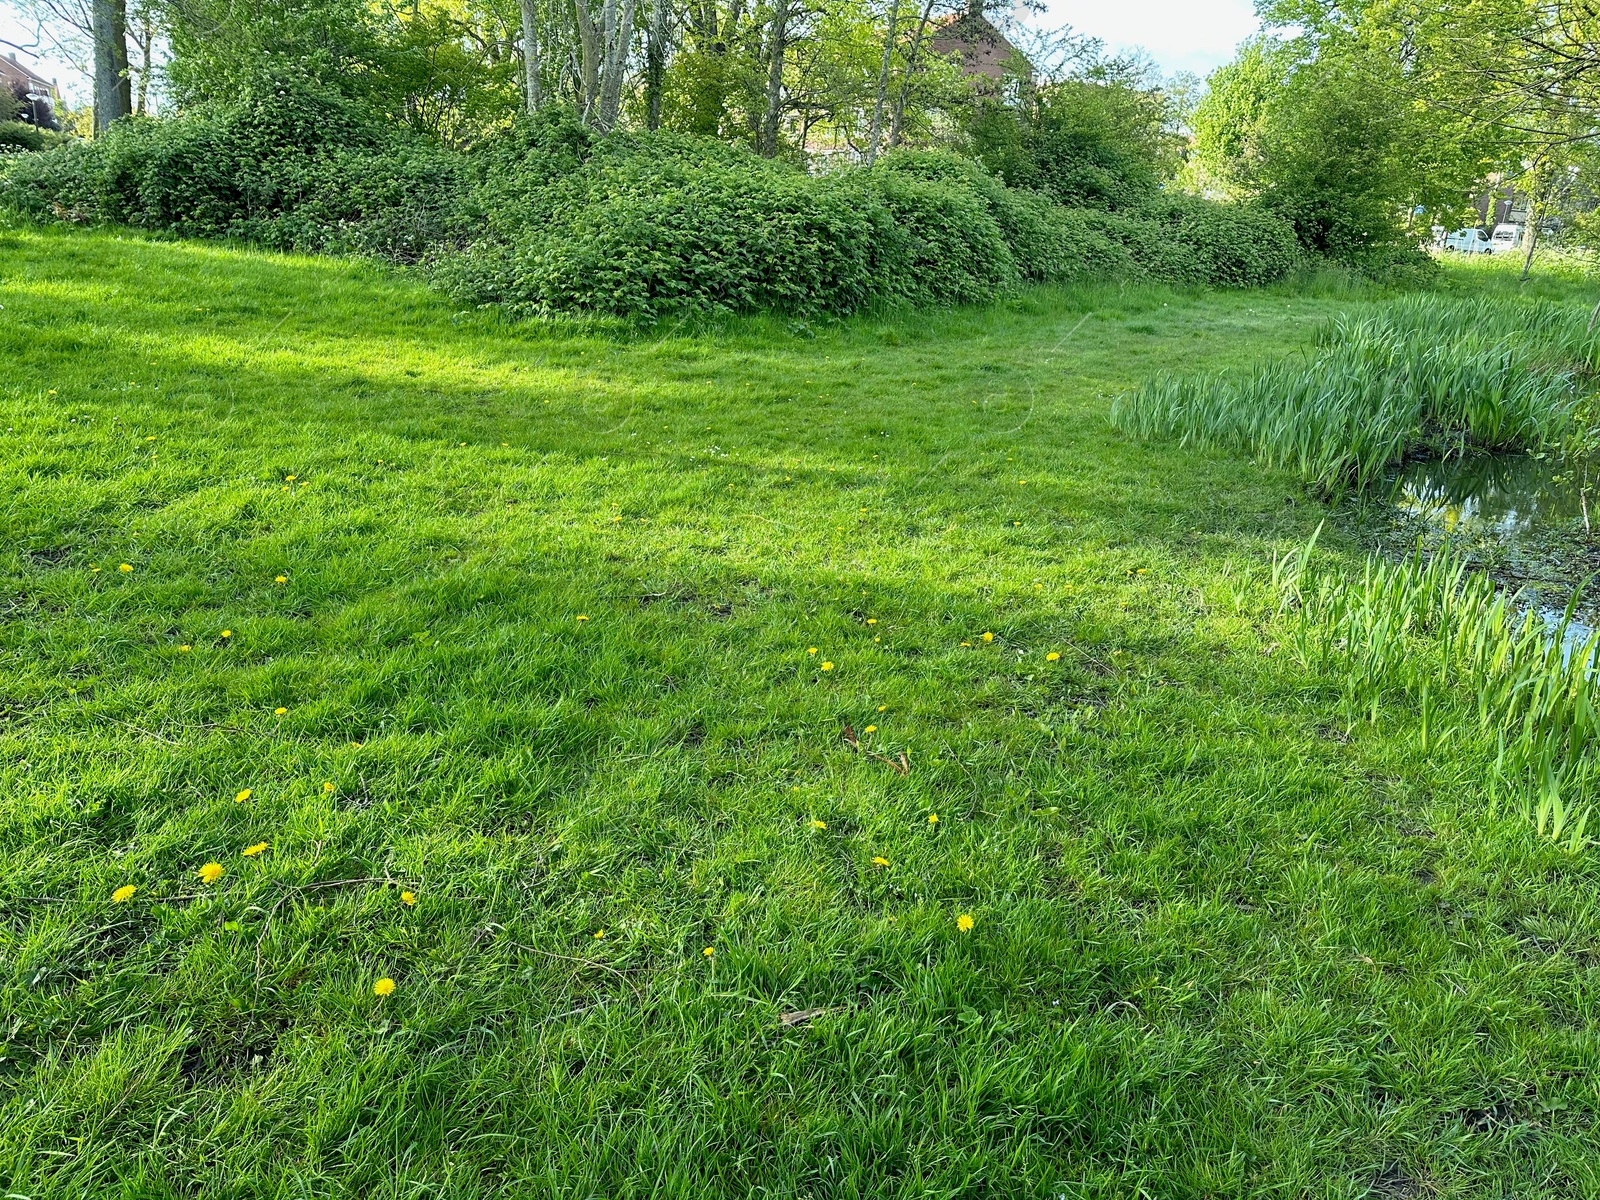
x,y
278,712
816,824
409,899
210,873
185,649
598,934
966,643
94,570
872,620
383,987
965,922
988,637
872,729
581,617
280,579
879,861
289,478
811,650
125,892
883,708
227,633
1053,656
933,818
328,787
709,951
243,795
827,666
257,849
125,568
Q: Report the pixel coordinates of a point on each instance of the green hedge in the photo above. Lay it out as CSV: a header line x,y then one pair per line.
x,y
546,217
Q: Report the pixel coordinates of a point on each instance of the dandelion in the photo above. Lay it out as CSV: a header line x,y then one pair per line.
x,y
278,712
210,873
126,568
965,922
598,934
94,570
280,579
409,899
581,617
816,824
327,787
709,952
827,666
872,729
185,649
933,818
879,861
244,794
988,637
289,478
1053,656
227,633
883,708
811,650
966,643
125,892
872,620
253,851
383,987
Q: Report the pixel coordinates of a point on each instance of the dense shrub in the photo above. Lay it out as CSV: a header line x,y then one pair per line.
x,y
285,168
1188,240
549,217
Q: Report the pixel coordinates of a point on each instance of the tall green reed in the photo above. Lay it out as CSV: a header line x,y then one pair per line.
x,y
1471,660
1491,373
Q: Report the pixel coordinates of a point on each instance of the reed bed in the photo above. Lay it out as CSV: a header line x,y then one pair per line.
x,y
1472,660
1423,371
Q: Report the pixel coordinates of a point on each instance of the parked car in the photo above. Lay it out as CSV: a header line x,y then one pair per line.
x,y
1505,237
1469,241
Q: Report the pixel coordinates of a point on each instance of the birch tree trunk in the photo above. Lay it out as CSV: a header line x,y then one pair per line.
x,y
533,94
618,37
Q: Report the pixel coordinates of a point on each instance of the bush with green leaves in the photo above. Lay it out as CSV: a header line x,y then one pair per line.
x,y
286,167
548,217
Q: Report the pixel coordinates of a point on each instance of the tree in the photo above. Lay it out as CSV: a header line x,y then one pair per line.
x,y
97,30
1316,130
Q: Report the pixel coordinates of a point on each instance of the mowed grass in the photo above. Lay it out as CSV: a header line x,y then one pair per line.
x,y
544,638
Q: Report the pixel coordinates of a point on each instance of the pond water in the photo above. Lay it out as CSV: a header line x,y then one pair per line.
x,y
1532,522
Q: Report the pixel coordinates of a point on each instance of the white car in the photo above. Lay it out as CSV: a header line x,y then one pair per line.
x,y
1469,241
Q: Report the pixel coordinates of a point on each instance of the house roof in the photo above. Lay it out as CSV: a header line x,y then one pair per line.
x,y
19,77
984,50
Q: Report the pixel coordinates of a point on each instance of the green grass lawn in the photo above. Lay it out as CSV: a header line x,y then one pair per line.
x,y
559,633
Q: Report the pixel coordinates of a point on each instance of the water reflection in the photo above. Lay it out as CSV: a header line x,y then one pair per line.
x,y
1522,514
1505,497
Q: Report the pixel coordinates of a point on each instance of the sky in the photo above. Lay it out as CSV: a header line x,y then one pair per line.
x,y
1180,35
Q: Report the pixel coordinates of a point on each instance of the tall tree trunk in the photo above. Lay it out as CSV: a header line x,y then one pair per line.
x,y
778,45
898,122
883,83
532,94
589,67
618,38
655,63
113,90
